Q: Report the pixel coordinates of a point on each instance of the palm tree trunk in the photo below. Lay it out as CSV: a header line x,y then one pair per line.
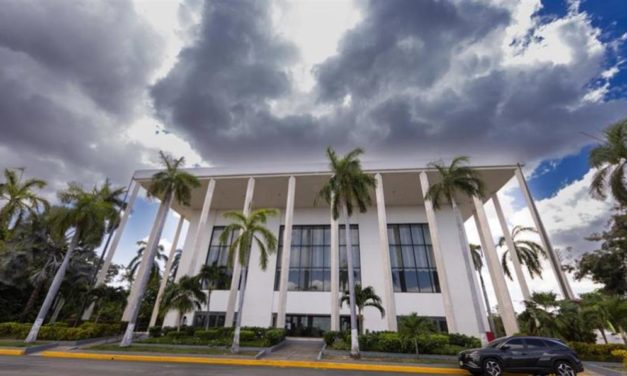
x,y
468,267
351,283
208,308
416,346
487,304
142,280
603,335
54,289
178,321
57,309
32,299
238,322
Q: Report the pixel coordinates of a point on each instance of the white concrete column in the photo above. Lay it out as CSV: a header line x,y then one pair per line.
x,y
506,309
287,248
335,275
201,229
104,269
384,247
512,248
230,308
544,237
439,257
153,241
166,274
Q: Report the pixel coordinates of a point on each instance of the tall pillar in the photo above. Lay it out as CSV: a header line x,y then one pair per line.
x,y
153,241
102,273
506,309
237,269
166,274
287,248
335,275
384,247
439,257
544,237
194,265
512,248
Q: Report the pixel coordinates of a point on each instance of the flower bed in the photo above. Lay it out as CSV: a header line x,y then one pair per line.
x,y
597,352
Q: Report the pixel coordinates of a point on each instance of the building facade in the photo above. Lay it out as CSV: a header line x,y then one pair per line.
x,y
414,256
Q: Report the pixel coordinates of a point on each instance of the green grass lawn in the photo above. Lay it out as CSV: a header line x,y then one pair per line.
x,y
169,350
20,343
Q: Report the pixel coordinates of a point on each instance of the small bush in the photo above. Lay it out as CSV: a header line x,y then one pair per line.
x,y
463,340
247,336
274,336
210,334
177,335
155,332
597,352
621,354
330,337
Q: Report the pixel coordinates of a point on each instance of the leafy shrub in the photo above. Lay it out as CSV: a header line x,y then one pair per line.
x,y
274,336
60,332
597,352
463,340
247,335
209,334
431,343
330,337
177,335
155,332
621,354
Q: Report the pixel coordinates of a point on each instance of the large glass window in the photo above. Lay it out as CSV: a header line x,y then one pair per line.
x,y
411,257
218,255
310,258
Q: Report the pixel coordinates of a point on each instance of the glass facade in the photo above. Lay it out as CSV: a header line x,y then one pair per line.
x,y
216,319
310,258
439,323
218,255
301,325
411,257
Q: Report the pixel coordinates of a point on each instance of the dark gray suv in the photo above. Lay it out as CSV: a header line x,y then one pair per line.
x,y
535,355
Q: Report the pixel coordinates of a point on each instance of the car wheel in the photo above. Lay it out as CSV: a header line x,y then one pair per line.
x,y
564,369
492,367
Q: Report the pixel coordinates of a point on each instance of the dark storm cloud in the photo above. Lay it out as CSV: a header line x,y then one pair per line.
x,y
424,79
72,77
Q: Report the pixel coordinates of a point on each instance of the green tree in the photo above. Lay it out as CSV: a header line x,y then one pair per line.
x,y
528,251
457,179
171,183
594,312
246,229
19,199
609,160
477,261
608,264
136,261
90,214
412,326
348,187
364,297
211,276
109,302
616,308
183,297
539,315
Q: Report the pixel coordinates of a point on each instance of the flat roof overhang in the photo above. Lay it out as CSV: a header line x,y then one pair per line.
x,y
401,185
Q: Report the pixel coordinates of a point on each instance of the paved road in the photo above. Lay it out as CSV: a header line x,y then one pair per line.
x,y
38,366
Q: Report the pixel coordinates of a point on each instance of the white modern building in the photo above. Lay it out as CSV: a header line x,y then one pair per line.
x,y
412,255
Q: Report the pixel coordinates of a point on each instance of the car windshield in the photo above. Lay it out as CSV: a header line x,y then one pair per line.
x,y
496,342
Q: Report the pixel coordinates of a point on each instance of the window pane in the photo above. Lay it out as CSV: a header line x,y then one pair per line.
x,y
430,256
317,278
215,237
327,280
295,256
356,258
392,238
436,281
426,233
305,279
535,343
424,281
317,257
306,236
212,257
343,262
408,256
395,257
293,278
516,344
342,236
296,235
355,235
421,256
318,236
224,256
305,257
416,234
327,256
327,235
405,234
411,282
396,281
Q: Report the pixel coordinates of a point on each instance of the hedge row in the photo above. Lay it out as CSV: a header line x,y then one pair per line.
x,y
249,336
60,332
392,342
597,352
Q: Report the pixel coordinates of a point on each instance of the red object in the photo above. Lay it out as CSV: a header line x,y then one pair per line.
x,y
489,336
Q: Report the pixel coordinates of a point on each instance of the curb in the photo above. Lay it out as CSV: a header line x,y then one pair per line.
x,y
13,352
253,362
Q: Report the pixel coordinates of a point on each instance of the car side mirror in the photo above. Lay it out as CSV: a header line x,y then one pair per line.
x,y
505,347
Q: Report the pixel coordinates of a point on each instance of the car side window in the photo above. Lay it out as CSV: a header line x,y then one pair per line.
x,y
555,344
516,344
535,344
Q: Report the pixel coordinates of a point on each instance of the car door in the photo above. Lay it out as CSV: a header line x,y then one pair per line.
x,y
536,351
514,353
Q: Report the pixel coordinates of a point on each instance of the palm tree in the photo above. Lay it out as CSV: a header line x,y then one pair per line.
x,y
609,160
136,261
170,184
211,276
595,313
477,260
539,317
183,297
457,179
616,308
412,326
246,229
365,297
91,215
528,252
20,200
348,187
